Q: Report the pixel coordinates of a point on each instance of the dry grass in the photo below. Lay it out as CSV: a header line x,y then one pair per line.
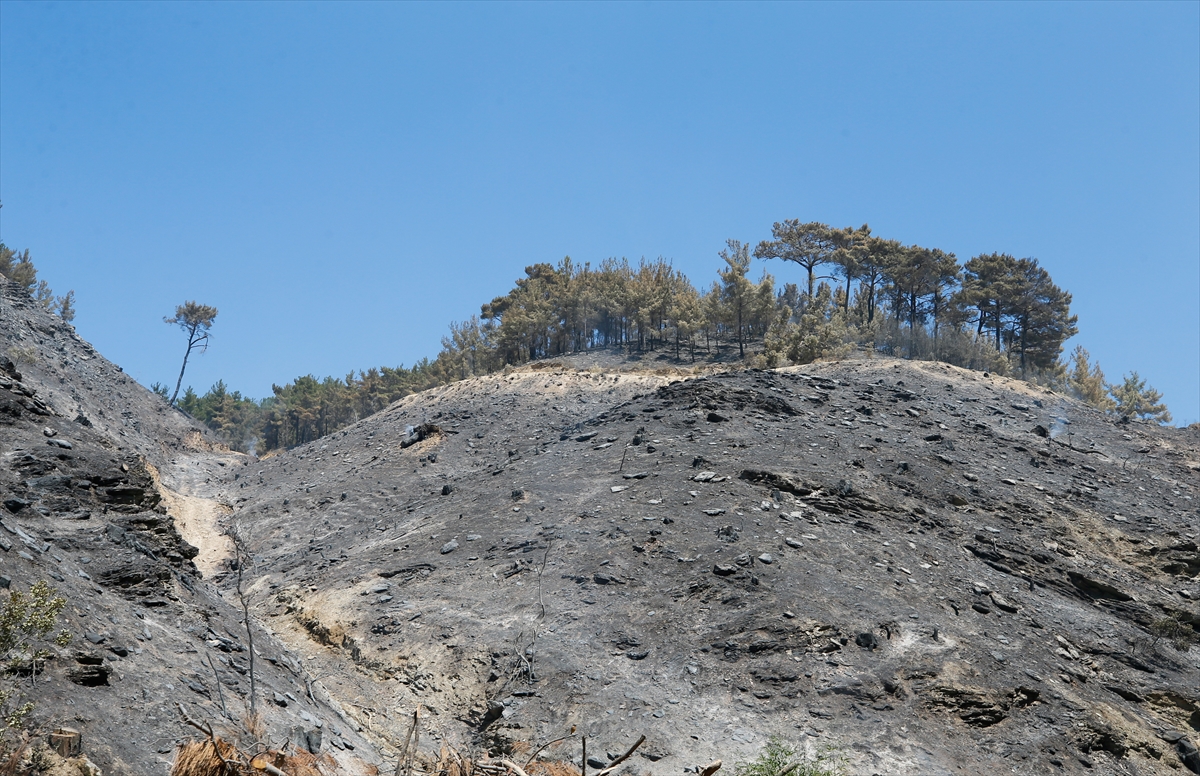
x,y
204,758
298,764
451,762
196,441
217,757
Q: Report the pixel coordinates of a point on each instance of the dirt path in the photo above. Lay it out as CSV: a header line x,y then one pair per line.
x,y
198,519
199,522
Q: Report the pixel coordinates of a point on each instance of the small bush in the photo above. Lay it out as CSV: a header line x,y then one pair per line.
x,y
1176,631
23,355
779,759
27,621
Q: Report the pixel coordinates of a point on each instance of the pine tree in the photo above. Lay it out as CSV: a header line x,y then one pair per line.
x,y
737,292
850,249
1086,381
44,295
872,266
1135,399
195,320
6,260
24,273
987,280
65,306
1041,316
808,244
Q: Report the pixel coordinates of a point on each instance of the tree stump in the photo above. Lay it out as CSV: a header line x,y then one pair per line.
x,y
66,741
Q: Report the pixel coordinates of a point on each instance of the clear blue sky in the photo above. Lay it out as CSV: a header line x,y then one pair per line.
x,y
342,180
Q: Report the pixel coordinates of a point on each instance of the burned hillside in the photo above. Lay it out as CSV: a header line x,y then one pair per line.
x,y
937,570
90,460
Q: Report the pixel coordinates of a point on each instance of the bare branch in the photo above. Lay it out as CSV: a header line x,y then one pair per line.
x,y
613,765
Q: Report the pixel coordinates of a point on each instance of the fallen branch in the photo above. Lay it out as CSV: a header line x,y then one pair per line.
x,y
516,769
545,746
258,764
204,728
404,760
217,678
613,765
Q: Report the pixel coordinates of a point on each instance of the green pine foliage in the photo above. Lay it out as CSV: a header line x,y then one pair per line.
x,y
1137,400
1086,382
19,268
995,313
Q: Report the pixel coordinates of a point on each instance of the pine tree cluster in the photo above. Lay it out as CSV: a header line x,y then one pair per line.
x,y
861,292
19,268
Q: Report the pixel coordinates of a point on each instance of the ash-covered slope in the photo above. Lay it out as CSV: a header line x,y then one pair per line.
x,y
81,450
936,570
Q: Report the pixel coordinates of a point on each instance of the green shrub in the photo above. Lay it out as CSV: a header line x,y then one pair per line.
x,y
779,759
1176,630
26,623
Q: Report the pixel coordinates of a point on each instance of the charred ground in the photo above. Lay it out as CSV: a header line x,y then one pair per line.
x,y
936,569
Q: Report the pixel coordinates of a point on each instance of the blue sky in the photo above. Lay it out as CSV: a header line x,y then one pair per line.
x,y
342,180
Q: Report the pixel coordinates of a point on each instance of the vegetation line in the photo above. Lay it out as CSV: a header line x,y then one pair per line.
x,y
860,292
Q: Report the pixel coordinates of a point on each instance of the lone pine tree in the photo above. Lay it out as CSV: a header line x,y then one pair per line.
x,y
1135,399
195,320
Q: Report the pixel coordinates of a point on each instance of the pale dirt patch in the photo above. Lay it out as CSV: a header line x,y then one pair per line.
x,y
198,521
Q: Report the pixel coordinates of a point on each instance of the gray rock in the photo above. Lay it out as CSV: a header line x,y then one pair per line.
x,y
766,558
449,547
1003,604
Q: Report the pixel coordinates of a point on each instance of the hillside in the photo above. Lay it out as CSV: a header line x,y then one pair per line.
x,y
938,570
96,472
932,569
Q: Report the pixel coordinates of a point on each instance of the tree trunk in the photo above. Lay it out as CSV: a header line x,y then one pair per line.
x,y
741,347
186,353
